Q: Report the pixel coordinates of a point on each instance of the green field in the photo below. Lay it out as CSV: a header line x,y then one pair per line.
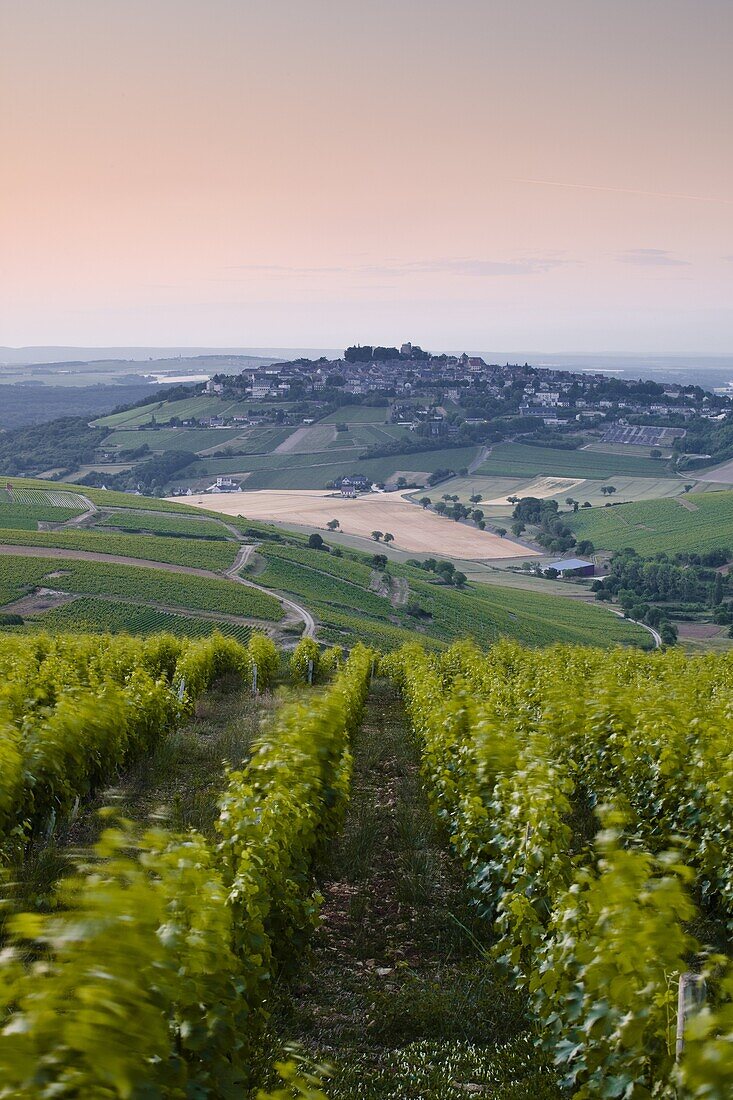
x,y
653,525
162,524
313,470
337,591
172,439
521,460
357,414
140,584
26,517
95,616
184,409
199,553
500,488
112,498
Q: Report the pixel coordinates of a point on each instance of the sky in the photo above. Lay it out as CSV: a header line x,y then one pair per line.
x,y
459,173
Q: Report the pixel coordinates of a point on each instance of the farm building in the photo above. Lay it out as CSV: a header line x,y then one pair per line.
x,y
224,485
575,567
350,486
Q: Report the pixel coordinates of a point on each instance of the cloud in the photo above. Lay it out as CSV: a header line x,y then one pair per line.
x,y
474,268
485,268
652,257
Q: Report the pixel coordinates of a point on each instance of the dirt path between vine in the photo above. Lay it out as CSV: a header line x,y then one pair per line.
x,y
399,996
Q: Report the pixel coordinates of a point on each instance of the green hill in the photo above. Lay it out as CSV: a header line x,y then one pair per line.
x,y
521,460
695,522
131,560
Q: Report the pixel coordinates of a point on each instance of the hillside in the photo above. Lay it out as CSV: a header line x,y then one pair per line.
x,y
122,562
520,460
696,522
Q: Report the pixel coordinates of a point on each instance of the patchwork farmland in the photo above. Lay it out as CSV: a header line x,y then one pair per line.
x,y
415,530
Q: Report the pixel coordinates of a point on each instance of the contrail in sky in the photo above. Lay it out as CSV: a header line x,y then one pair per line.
x,y
622,191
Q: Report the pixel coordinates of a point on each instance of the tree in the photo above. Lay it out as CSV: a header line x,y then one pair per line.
x,y
655,453
716,591
333,524
315,541
441,507
459,579
379,561
447,496
388,536
501,531
517,528
668,632
476,498
426,502
688,487
376,535
608,490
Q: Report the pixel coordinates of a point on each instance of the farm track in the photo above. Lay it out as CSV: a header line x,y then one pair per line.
x,y
399,996
300,612
654,633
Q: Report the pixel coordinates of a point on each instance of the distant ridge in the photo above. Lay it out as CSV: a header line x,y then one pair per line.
x,y
25,356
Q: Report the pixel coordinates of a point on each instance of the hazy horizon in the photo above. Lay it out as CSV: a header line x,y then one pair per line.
x,y
480,174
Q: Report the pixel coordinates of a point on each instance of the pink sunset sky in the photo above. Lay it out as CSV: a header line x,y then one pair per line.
x,y
465,173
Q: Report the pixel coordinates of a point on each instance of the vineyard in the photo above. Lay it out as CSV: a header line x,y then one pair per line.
x,y
579,800
162,524
141,585
50,498
522,460
198,553
89,615
698,523
341,591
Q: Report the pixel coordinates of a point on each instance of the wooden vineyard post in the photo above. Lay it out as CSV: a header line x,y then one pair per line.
x,y
690,996
181,689
254,679
310,671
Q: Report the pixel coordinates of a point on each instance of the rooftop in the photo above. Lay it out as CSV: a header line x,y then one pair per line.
x,y
569,563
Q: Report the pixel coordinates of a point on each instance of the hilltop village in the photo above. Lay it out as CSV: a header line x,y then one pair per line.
x,y
443,392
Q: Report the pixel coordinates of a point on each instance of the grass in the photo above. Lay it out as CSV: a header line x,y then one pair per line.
x,y
137,583
89,615
521,460
179,784
654,525
400,996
